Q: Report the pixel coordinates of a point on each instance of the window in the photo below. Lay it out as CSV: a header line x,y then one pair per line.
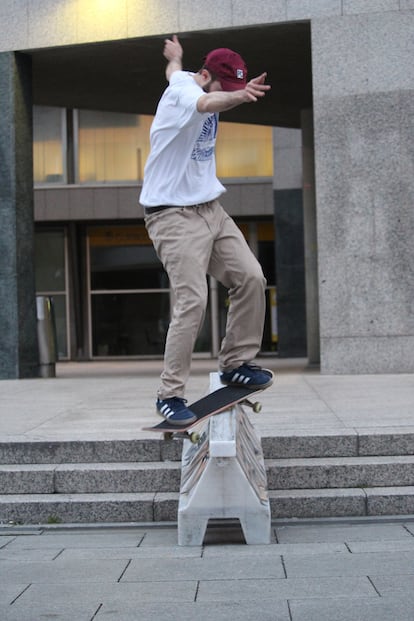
x,y
244,150
112,147
49,145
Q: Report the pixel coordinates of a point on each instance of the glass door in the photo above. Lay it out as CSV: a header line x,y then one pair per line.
x,y
129,301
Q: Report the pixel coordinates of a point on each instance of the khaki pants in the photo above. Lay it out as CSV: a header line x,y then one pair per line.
x,y
192,242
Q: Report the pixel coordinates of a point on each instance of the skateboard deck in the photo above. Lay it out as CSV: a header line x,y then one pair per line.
x,y
210,405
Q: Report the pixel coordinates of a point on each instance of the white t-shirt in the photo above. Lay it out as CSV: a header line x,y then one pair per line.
x,y
181,167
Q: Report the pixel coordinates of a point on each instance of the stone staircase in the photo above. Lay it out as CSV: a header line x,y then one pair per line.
x,y
326,475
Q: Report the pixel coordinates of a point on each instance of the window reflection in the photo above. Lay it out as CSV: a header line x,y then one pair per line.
x,y
48,144
112,146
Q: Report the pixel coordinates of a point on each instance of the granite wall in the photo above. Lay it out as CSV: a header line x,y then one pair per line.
x,y
363,76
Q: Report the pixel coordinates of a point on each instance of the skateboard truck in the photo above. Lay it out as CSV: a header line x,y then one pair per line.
x,y
193,436
255,405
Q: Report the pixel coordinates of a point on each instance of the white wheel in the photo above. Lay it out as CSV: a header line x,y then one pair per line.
x,y
257,407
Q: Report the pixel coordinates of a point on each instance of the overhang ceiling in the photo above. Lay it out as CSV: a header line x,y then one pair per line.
x,y
128,75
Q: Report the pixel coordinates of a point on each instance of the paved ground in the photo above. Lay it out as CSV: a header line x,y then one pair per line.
x,y
312,571
320,571
115,400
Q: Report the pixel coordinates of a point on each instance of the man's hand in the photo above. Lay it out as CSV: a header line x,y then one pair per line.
x,y
173,52
173,49
256,88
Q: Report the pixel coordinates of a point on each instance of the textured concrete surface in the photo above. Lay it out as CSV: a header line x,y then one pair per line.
x,y
311,570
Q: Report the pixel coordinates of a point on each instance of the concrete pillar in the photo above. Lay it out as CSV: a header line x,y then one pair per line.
x,y
310,240
288,211
18,349
363,85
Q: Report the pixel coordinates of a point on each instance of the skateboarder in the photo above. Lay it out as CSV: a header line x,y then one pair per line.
x,y
192,234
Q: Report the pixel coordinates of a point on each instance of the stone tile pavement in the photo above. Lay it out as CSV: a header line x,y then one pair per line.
x,y
114,400
332,570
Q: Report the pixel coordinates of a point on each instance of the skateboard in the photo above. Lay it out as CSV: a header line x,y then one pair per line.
x,y
210,405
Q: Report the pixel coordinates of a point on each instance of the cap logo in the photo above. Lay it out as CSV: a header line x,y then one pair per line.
x,y
239,74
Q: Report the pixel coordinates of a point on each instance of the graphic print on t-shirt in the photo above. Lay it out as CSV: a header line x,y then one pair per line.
x,y
204,146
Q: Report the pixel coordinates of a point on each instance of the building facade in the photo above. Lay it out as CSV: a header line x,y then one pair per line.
x,y
332,223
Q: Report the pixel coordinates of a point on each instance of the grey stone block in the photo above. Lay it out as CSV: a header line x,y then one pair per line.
x,y
393,585
224,611
390,500
41,509
393,441
158,17
119,477
319,533
265,12
165,507
369,6
246,568
352,608
317,503
49,610
391,563
52,572
363,547
9,591
307,9
274,550
91,540
159,552
26,479
303,444
112,593
196,16
38,452
171,450
31,556
356,355
290,588
336,472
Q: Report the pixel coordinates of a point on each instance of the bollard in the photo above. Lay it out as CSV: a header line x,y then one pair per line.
x,y
46,336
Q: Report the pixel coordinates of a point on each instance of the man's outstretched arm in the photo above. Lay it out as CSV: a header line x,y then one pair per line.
x,y
220,101
173,52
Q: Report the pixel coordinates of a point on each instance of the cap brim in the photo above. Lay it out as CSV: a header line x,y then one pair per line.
x,y
232,86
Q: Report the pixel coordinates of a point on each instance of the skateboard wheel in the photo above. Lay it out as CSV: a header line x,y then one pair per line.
x,y
168,435
194,437
257,407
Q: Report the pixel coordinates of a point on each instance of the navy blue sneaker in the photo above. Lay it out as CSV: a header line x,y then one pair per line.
x,y
249,375
175,411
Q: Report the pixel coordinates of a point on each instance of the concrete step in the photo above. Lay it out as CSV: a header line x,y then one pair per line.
x,y
337,472
285,445
90,478
309,475
163,506
128,477
88,508
165,476
88,451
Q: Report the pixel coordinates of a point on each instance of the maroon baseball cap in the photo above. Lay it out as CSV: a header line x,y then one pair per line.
x,y
228,66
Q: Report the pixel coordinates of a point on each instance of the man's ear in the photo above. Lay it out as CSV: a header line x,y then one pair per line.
x,y
205,74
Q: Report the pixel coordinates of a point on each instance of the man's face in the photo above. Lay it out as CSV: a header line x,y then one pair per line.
x,y
212,85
